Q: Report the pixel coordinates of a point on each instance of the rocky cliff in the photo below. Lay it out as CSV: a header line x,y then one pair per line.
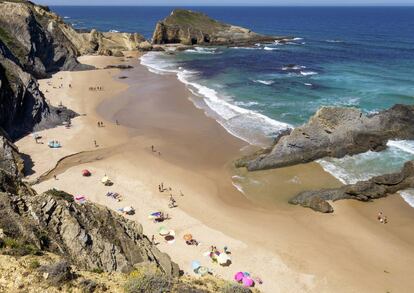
x,y
88,235
336,132
22,105
376,187
37,38
195,28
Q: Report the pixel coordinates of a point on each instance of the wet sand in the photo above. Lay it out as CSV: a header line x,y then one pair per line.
x,y
291,248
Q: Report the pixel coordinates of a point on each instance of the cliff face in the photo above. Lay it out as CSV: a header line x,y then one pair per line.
x,y
22,105
194,28
37,38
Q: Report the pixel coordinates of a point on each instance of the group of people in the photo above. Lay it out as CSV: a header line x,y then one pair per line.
x,y
96,88
100,124
381,218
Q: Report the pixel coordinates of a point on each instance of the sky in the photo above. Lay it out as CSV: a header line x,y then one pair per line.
x,y
229,2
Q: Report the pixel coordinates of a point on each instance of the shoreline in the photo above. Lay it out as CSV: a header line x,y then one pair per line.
x,y
211,209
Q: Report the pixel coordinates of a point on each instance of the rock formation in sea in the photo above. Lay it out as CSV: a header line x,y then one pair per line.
x,y
336,132
373,188
195,28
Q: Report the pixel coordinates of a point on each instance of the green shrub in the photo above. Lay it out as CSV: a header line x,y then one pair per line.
x,y
148,282
235,288
34,264
17,247
97,271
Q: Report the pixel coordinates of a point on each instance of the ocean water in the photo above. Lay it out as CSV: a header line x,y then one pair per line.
x,y
354,57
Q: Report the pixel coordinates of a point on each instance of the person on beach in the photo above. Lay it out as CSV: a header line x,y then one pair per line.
x,y
153,240
181,193
116,121
99,124
54,176
379,217
152,148
96,145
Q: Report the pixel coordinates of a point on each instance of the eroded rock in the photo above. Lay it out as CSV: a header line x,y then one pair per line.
x,y
374,188
336,132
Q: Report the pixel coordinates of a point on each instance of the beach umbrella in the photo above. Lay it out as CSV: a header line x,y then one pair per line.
x,y
202,271
128,209
163,231
188,237
247,282
239,276
195,265
223,259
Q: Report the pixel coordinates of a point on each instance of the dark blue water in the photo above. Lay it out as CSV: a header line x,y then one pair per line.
x,y
345,56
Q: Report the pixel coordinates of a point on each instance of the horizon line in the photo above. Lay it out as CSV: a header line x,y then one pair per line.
x,y
247,5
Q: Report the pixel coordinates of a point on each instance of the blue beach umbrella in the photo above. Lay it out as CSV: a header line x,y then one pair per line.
x,y
195,265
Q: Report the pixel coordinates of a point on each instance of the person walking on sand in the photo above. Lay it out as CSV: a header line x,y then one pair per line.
x,y
152,148
96,145
117,122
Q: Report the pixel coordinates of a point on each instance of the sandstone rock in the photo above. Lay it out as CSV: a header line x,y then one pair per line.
x,y
336,132
376,187
145,46
195,28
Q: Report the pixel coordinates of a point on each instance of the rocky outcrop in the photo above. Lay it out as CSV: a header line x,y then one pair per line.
x,y
336,132
108,43
37,38
195,28
376,187
89,236
22,105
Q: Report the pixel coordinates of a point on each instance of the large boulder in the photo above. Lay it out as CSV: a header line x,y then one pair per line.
x,y
195,28
336,132
374,188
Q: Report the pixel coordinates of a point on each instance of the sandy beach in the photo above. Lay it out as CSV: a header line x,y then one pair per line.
x,y
290,248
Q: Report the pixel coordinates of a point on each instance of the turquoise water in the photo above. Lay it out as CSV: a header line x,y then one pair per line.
x,y
354,57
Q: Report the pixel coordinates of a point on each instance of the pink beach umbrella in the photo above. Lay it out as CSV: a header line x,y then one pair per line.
x,y
247,282
239,276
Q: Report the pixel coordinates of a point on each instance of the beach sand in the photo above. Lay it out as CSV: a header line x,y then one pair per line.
x,y
292,249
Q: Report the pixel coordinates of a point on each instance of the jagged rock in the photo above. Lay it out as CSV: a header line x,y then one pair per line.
x,y
145,46
58,273
119,66
36,38
10,161
191,28
376,187
88,235
336,132
22,105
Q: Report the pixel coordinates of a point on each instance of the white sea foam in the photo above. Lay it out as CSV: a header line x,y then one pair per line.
x,y
266,82
245,124
246,104
201,50
307,73
267,48
294,67
66,17
408,196
113,31
297,39
404,145
308,84
334,41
